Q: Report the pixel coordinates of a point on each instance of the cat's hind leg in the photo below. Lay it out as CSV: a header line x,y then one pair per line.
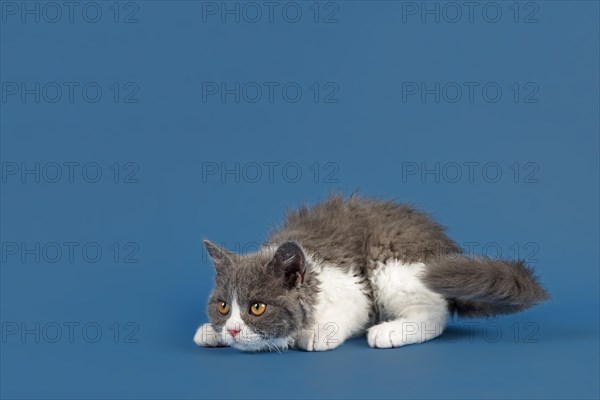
x,y
411,312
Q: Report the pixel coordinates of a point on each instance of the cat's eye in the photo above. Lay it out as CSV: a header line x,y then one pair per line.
x,y
223,308
258,309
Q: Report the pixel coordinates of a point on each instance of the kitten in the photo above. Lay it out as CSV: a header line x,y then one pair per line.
x,y
346,267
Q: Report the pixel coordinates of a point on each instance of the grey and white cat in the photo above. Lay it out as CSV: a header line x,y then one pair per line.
x,y
347,267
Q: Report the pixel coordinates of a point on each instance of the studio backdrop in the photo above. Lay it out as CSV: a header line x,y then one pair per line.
x,y
130,131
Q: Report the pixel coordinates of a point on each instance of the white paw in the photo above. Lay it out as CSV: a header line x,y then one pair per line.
x,y
401,332
386,335
319,339
206,336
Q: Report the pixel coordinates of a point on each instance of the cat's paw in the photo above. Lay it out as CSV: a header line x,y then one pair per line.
x,y
386,335
316,340
206,336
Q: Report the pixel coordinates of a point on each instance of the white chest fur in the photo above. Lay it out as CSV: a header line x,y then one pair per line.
x,y
341,310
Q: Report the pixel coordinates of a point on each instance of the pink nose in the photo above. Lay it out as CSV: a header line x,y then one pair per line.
x,y
233,332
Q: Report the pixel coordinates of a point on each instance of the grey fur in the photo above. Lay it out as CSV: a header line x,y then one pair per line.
x,y
356,234
361,232
483,286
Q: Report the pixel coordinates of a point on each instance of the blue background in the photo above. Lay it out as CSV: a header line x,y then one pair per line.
x,y
369,135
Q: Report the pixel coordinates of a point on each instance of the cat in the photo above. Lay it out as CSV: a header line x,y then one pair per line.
x,y
346,267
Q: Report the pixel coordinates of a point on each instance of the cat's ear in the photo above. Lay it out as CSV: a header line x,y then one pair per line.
x,y
289,261
221,258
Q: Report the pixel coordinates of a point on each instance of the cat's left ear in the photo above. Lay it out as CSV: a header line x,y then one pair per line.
x,y
289,261
221,258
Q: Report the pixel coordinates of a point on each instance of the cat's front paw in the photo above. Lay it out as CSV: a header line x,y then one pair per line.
x,y
206,336
385,336
317,340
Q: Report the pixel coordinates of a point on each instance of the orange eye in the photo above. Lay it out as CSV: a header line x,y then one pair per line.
x,y
223,308
258,309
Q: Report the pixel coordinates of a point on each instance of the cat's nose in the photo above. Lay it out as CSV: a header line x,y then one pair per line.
x,y
233,332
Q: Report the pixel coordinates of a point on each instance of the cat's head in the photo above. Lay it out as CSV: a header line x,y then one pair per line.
x,y
257,303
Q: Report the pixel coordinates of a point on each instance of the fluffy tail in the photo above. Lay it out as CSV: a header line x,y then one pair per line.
x,y
477,287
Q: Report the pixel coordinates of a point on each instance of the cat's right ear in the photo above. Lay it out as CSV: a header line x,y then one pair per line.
x,y
221,258
289,261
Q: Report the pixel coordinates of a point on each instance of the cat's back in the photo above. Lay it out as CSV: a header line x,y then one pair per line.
x,y
362,230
